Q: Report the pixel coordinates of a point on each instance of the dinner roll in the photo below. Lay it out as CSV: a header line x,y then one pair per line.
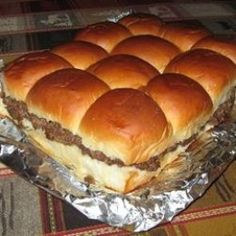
x,y
24,72
141,23
213,71
186,105
225,47
80,54
120,71
127,124
64,96
105,34
182,35
156,51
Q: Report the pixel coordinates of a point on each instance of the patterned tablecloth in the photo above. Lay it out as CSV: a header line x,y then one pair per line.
x,y
37,25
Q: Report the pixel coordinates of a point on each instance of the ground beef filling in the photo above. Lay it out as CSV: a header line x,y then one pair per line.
x,y
224,110
53,131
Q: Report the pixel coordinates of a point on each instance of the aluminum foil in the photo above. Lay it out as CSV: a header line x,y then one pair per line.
x,y
183,182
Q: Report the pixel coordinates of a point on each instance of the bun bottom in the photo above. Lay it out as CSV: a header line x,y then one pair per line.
x,y
3,110
107,177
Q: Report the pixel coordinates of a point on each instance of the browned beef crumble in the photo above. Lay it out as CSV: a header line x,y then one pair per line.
x,y
17,110
224,110
53,131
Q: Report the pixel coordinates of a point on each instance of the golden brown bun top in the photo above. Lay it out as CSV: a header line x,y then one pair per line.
x,y
141,23
182,100
80,54
24,72
156,51
126,124
183,36
222,46
64,96
213,71
120,71
105,34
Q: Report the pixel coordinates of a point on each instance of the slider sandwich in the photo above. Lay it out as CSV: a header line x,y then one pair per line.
x,y
224,46
115,121
182,35
142,24
80,54
104,34
154,50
